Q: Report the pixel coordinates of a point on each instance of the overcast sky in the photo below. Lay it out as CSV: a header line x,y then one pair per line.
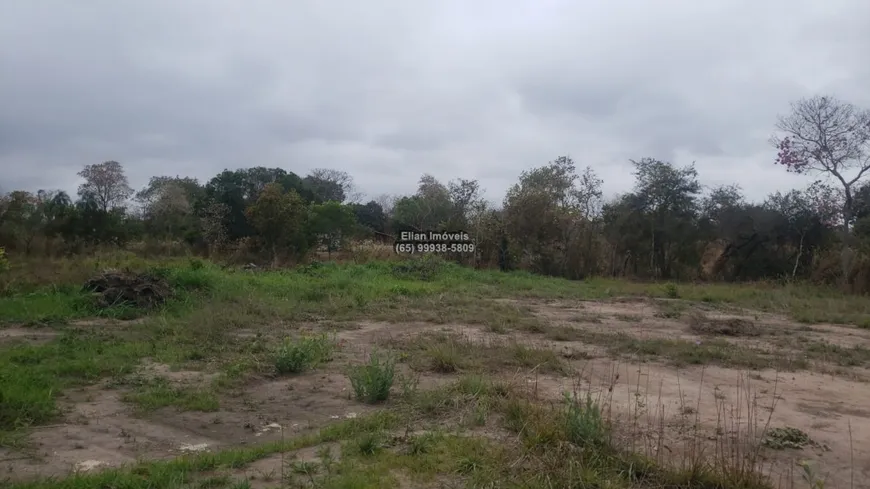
x,y
390,89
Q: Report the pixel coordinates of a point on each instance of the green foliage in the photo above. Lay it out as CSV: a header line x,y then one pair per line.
x,y
333,223
280,219
296,356
4,261
372,382
370,216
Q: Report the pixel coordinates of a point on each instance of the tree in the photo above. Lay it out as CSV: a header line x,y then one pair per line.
x,y
328,184
168,204
23,219
280,219
234,191
804,213
387,202
429,209
544,215
94,225
106,184
333,223
465,196
212,221
824,135
371,216
657,222
192,189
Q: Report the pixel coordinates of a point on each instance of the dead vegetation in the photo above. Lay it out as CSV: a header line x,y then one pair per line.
x,y
113,288
729,326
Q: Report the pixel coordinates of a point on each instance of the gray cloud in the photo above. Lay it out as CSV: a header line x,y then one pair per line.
x,y
388,90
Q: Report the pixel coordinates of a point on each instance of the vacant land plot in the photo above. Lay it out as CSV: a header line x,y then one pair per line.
x,y
423,374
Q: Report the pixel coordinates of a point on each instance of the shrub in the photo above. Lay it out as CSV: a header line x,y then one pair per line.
x,y
671,291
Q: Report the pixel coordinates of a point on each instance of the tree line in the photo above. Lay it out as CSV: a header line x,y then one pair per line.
x,y
553,220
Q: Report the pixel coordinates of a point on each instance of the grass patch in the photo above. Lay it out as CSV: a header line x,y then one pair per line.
x,y
670,309
160,392
854,356
295,356
453,353
706,352
567,445
31,376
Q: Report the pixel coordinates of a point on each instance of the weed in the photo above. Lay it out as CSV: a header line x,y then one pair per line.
x,y
372,382
368,444
295,356
421,444
446,358
584,424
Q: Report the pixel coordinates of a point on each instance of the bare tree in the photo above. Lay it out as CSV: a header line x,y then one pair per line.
x,y
106,183
387,202
340,179
827,136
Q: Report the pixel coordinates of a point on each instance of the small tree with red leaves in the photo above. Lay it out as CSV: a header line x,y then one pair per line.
x,y
826,136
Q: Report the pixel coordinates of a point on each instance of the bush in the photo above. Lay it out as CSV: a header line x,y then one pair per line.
x,y
306,353
372,382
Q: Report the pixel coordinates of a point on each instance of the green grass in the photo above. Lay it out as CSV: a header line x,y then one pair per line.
x,y
32,376
160,392
377,288
298,355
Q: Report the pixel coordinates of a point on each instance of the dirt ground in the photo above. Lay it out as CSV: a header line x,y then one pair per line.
x,y
670,407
